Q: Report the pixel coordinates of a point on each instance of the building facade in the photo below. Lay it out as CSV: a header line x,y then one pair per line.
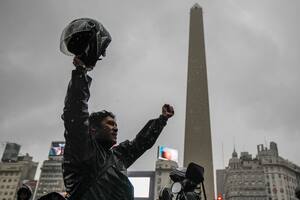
x,y
14,173
51,177
265,177
220,173
244,178
162,178
281,176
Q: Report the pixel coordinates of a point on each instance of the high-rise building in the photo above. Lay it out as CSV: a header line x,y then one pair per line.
x,y
220,174
198,144
51,178
15,172
11,152
265,177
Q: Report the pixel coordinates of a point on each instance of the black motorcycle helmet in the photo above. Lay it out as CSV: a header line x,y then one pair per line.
x,y
24,192
52,196
85,38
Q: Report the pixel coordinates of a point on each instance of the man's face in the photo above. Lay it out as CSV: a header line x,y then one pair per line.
x,y
109,131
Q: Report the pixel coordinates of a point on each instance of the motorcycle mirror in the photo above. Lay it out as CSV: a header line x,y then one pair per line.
x,y
195,173
176,187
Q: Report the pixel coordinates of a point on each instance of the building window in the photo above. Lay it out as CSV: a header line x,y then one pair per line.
x,y
281,190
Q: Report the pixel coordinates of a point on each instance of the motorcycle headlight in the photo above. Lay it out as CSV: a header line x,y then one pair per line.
x,y
176,187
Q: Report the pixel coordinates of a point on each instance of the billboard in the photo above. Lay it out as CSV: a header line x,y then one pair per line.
x,y
57,149
166,153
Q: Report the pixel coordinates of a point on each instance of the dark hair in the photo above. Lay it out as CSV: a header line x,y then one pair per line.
x,y
96,117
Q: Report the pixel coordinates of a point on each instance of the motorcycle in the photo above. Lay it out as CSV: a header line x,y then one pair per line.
x,y
186,185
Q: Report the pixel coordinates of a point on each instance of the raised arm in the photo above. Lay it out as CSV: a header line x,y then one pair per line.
x,y
130,151
76,116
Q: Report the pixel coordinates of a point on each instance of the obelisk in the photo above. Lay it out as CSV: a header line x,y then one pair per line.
x,y
197,143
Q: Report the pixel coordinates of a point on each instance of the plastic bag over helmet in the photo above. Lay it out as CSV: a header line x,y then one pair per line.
x,y
86,38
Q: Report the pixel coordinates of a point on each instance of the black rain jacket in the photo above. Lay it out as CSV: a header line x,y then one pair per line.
x,y
91,172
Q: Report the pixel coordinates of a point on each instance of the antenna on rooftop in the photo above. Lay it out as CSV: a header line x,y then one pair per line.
x,y
223,156
266,143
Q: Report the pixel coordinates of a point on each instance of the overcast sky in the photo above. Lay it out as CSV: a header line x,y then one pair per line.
x,y
252,50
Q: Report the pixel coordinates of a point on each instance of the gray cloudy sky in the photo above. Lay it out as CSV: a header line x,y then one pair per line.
x,y
252,50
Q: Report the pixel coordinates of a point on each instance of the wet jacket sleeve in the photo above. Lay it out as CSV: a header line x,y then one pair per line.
x,y
129,151
76,115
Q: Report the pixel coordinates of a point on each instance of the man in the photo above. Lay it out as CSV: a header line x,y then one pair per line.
x,y
93,168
